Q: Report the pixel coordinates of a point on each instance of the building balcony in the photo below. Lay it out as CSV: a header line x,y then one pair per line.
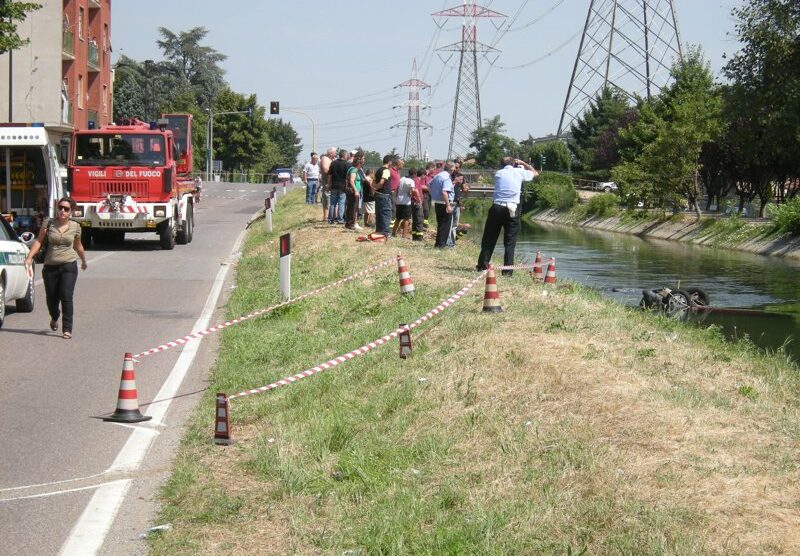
x,y
94,4
93,60
93,116
70,115
68,45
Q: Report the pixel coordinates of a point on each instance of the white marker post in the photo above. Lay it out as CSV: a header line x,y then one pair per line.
x,y
286,267
268,214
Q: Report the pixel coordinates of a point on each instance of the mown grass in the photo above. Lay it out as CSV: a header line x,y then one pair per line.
x,y
565,425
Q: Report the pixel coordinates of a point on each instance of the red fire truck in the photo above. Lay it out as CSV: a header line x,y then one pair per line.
x,y
134,177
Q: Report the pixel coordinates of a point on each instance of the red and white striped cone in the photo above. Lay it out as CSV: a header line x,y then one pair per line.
x,y
550,277
128,400
491,297
406,285
222,424
538,275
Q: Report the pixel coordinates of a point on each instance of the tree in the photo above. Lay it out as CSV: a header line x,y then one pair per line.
x,y
764,96
490,144
285,138
687,117
605,115
145,89
555,154
194,64
11,12
241,142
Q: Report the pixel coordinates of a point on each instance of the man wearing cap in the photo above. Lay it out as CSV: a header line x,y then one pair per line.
x,y
504,212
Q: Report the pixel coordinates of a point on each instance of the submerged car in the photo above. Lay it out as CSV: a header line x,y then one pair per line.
x,y
16,283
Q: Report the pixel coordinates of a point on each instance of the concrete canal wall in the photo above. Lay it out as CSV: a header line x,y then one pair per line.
x,y
685,228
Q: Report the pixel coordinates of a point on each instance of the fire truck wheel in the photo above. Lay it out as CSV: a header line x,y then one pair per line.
x,y
184,236
166,235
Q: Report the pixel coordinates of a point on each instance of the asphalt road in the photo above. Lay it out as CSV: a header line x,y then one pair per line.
x,y
57,457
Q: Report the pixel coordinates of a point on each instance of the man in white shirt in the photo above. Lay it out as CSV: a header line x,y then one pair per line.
x,y
504,212
311,177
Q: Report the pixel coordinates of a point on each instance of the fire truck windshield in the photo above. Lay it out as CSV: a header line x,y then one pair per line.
x,y
109,149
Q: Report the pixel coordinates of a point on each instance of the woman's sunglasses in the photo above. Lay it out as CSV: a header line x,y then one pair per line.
x,y
65,209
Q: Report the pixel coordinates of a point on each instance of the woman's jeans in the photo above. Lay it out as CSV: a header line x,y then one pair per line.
x,y
59,285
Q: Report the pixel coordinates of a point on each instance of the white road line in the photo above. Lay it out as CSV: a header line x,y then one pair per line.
x,y
89,532
66,491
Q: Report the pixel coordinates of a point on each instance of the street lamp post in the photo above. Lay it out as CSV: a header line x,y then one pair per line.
x,y
313,127
210,136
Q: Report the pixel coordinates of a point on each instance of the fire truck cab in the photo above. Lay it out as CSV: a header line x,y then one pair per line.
x,y
134,177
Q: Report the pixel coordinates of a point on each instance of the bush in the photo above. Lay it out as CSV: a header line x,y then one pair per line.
x,y
787,216
602,205
551,191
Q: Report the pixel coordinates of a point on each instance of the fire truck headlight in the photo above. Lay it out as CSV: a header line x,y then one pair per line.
x,y
160,212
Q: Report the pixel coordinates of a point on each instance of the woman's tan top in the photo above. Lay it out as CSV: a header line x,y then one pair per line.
x,y
60,248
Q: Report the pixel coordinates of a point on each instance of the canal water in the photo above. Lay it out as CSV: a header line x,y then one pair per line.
x,y
621,266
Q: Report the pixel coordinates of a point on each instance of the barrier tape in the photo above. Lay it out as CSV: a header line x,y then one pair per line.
x,y
216,328
523,266
365,348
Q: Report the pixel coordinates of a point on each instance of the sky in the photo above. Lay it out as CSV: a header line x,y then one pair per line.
x,y
340,62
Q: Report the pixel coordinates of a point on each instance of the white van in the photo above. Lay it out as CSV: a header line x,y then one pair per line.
x,y
30,176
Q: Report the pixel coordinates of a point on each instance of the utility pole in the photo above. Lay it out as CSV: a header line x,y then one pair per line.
x,y
467,107
627,45
413,148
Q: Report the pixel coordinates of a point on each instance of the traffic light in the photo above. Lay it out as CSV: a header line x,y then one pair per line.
x,y
274,107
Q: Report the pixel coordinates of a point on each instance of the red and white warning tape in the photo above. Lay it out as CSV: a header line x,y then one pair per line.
x,y
221,326
365,348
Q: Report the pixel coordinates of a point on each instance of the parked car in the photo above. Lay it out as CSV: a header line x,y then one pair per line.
x,y
16,283
607,186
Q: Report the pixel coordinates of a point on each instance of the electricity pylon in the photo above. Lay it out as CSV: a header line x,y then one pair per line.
x,y
467,107
413,124
628,45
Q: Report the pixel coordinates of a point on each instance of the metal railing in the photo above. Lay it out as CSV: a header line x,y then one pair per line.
x,y
94,57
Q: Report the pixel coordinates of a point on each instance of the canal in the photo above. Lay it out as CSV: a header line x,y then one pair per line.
x,y
621,266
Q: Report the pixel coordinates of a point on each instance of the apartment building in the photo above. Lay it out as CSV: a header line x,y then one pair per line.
x,y
61,80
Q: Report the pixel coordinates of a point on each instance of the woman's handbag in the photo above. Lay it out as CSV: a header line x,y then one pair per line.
x,y
38,258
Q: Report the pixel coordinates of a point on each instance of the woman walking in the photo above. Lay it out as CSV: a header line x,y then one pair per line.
x,y
60,270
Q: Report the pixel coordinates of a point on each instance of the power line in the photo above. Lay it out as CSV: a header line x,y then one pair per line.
x,y
343,101
546,55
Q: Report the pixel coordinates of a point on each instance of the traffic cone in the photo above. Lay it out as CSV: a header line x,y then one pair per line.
x,y
405,341
128,400
550,278
538,275
406,285
491,297
222,426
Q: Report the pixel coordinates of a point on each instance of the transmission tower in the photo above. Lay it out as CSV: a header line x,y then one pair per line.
x,y
467,107
413,124
628,45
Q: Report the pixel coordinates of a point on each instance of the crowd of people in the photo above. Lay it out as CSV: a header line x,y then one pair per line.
x,y
396,202
391,200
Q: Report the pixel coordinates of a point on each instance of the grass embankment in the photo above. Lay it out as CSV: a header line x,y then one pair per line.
x,y
567,423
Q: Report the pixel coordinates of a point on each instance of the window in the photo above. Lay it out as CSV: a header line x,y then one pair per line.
x,y
105,99
80,22
80,91
105,37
